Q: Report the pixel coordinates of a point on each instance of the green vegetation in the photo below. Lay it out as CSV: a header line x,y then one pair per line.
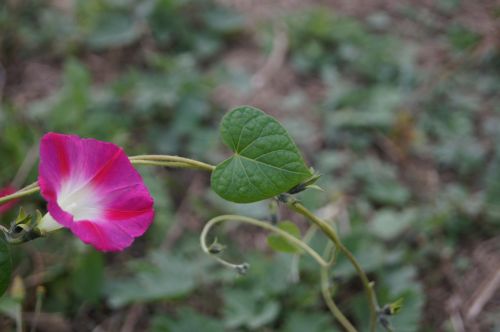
x,y
408,154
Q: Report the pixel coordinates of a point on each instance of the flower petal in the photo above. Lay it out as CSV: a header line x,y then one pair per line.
x,y
92,188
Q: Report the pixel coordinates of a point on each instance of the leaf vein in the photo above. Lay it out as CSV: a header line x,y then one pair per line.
x,y
258,137
263,172
232,175
269,152
237,146
272,166
248,178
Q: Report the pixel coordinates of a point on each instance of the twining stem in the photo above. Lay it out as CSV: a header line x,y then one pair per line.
x,y
327,295
30,186
20,193
40,292
175,159
152,160
262,224
159,163
19,318
332,234
296,257
330,251
325,265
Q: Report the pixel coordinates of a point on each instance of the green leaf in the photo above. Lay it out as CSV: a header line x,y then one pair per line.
x,y
158,277
9,306
187,320
279,243
88,276
461,38
250,310
5,267
299,321
113,30
387,224
266,161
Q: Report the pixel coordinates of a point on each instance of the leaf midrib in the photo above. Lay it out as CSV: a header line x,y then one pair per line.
x,y
248,178
255,140
268,165
237,146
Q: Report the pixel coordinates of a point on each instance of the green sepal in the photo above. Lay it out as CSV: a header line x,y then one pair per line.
x,y
24,227
307,184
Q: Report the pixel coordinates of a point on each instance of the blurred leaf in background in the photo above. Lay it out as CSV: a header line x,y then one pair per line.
x,y
162,276
5,267
187,320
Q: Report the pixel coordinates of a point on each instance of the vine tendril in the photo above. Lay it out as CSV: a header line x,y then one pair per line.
x,y
296,206
325,265
262,224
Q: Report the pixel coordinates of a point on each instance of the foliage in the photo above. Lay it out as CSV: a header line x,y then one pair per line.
x,y
158,277
279,243
5,267
412,153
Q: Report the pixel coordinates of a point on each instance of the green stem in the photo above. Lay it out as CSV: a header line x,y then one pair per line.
x,y
307,237
296,257
20,193
175,159
332,234
303,245
330,250
261,224
19,318
40,292
30,186
327,295
159,163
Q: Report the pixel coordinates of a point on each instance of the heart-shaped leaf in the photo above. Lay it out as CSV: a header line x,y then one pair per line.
x,y
5,267
266,161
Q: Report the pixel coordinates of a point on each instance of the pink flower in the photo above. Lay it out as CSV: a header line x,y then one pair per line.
x,y
92,189
4,192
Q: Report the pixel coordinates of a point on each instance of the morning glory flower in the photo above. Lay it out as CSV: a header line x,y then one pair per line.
x,y
92,188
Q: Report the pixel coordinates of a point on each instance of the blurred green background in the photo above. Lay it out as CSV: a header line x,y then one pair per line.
x,y
396,103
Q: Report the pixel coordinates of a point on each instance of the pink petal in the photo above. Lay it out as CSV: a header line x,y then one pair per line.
x,y
92,188
9,205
